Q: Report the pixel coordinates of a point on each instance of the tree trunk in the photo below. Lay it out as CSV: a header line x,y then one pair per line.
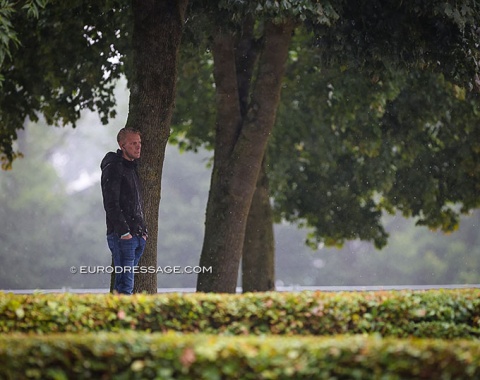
x,y
239,150
258,259
157,30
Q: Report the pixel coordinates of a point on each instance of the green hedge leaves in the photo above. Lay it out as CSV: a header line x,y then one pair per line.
x,y
140,355
442,314
308,335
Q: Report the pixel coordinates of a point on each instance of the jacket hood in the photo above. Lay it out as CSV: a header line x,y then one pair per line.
x,y
111,157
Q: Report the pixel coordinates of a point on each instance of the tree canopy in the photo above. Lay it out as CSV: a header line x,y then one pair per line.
x,y
57,59
61,58
378,113
433,35
408,143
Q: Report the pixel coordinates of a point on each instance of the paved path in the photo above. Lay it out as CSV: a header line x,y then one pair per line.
x,y
280,289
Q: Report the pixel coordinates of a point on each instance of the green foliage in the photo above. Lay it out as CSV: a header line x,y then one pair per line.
x,y
8,35
364,145
9,41
67,58
435,35
231,13
377,116
439,149
136,355
194,115
434,314
316,11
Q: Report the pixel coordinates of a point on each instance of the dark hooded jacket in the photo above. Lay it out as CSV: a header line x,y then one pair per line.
x,y
122,195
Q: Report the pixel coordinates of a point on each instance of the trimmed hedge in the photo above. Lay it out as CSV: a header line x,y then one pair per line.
x,y
435,313
139,355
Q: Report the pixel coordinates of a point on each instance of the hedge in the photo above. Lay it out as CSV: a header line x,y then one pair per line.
x,y
435,313
140,355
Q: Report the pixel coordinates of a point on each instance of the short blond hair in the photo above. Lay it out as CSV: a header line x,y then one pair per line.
x,y
122,133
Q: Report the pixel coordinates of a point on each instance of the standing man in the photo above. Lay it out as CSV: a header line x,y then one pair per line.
x,y
122,200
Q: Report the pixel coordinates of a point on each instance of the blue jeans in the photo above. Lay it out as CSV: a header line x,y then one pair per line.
x,y
126,254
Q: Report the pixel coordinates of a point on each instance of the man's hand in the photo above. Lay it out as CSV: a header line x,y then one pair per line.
x,y
126,237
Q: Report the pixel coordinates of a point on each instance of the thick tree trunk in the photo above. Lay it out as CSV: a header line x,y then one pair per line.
x,y
258,259
157,30
239,150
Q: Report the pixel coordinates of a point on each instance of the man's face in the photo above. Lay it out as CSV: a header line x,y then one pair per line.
x,y
131,146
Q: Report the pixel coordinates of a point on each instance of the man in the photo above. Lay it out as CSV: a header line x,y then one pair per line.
x,y
122,200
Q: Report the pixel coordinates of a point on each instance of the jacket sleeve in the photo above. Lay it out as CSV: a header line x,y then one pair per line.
x,y
111,183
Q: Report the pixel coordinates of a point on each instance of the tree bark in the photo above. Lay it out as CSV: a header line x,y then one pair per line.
x,y
157,31
239,150
258,259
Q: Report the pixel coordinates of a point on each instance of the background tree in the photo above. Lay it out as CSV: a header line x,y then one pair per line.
x,y
245,116
408,145
435,33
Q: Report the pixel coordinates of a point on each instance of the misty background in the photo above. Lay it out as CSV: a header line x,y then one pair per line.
x,y
53,219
